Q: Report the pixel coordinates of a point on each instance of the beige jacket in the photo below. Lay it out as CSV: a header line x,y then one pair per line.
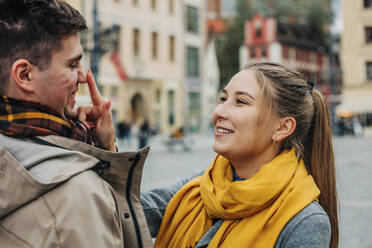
x,y
49,197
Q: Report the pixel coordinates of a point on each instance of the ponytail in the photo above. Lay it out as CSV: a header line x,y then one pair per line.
x,y
289,94
320,162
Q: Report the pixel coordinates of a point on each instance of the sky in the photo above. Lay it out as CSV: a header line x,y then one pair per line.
x,y
337,25
228,7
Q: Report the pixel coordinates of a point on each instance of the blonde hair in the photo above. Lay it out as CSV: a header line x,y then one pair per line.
x,y
288,94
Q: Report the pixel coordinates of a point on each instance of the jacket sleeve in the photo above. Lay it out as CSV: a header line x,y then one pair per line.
x,y
154,202
313,230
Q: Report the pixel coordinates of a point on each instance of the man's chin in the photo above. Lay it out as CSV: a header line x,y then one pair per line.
x,y
70,113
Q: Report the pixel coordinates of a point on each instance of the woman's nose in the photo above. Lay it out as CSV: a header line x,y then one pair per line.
x,y
220,112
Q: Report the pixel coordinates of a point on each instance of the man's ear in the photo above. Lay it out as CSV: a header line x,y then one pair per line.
x,y
286,128
21,73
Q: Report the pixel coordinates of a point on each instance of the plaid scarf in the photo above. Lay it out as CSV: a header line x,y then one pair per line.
x,y
26,119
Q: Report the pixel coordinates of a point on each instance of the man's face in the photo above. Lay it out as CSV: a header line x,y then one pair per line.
x,y
57,85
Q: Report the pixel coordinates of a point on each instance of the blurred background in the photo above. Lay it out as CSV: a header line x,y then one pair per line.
x,y
163,62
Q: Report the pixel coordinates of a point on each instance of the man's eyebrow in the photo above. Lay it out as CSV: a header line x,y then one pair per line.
x,y
245,93
76,58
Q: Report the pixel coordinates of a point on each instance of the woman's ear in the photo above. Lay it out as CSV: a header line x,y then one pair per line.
x,y
286,128
21,73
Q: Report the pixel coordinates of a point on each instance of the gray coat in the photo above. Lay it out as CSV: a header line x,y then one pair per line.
x,y
310,228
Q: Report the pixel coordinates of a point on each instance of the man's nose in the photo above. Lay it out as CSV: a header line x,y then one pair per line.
x,y
82,76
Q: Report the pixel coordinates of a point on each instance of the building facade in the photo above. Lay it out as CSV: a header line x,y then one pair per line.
x,y
267,39
194,45
142,71
356,59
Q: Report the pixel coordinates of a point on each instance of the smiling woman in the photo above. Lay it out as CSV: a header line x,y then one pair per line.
x,y
244,128
272,183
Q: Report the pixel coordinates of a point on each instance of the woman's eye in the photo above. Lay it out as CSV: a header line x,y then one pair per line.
x,y
222,99
239,101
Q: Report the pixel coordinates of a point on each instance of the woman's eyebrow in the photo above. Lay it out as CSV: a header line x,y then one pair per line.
x,y
245,93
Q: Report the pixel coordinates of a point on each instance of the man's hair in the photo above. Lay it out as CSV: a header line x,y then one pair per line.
x,y
34,30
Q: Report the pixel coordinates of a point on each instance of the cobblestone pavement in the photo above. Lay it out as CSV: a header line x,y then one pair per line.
x,y
354,174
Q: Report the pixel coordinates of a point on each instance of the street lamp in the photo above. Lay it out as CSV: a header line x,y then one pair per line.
x,y
104,40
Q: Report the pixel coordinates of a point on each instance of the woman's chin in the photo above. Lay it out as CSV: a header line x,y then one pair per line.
x,y
218,148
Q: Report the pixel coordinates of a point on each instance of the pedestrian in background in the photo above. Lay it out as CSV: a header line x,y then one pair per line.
x,y
143,134
62,183
272,183
124,133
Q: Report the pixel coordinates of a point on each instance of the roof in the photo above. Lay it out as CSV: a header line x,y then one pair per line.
x,y
216,26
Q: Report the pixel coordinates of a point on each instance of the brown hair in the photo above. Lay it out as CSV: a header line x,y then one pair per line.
x,y
34,30
289,94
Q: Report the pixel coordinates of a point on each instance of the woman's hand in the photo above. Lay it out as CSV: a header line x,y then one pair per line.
x,y
98,116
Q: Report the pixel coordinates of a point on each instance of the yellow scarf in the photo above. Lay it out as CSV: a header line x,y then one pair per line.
x,y
254,211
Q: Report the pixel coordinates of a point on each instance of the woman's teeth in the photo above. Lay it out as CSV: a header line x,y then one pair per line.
x,y
222,130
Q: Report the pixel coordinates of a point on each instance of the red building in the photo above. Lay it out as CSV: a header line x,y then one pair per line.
x,y
293,44
213,9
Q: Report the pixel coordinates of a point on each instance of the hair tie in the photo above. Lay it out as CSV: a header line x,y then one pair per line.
x,y
310,85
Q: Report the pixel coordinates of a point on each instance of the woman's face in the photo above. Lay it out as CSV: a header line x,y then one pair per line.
x,y
243,127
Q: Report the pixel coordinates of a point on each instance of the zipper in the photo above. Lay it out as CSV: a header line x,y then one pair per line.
x,y
101,166
134,216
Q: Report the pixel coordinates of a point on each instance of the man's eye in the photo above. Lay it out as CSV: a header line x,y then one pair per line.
x,y
74,65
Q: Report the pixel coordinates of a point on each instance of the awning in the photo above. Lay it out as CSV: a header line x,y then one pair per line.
x,y
355,101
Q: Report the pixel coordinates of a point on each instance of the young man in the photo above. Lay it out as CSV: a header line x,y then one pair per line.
x,y
61,181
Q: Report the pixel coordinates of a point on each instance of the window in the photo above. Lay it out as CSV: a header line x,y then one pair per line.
x,y
114,114
252,52
100,89
285,52
115,37
114,91
136,45
157,96
192,62
171,7
367,3
154,45
171,105
264,51
153,4
369,70
368,34
172,48
192,21
84,39
258,28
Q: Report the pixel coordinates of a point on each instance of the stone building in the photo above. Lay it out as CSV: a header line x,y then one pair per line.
x,y
151,69
356,59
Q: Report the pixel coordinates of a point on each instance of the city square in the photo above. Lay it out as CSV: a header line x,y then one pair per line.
x,y
353,168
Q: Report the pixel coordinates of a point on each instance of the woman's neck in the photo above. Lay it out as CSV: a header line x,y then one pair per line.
x,y
249,166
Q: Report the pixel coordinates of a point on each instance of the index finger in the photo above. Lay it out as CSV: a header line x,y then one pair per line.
x,y
96,97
